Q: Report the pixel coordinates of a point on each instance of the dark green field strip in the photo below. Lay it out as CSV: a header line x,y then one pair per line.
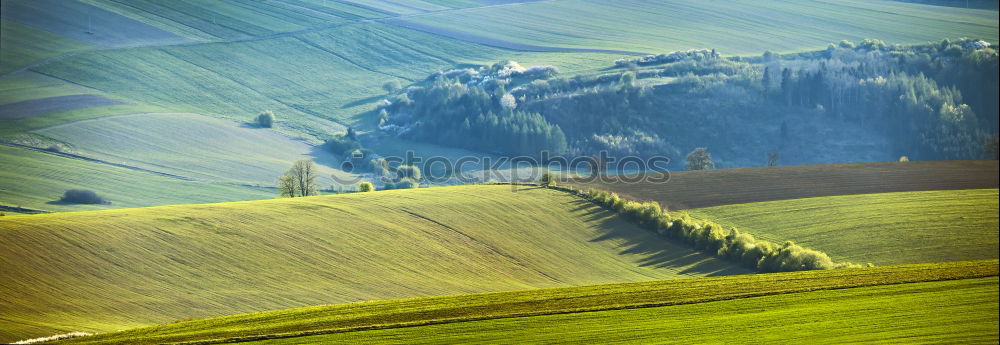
x,y
954,311
464,308
706,188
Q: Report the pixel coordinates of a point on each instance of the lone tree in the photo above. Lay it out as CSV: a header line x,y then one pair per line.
x,y
772,158
699,159
300,180
366,187
265,119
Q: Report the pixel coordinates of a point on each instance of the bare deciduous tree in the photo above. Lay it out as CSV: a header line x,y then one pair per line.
x,y
300,180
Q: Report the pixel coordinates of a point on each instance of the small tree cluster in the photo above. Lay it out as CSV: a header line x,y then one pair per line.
x,y
299,180
406,176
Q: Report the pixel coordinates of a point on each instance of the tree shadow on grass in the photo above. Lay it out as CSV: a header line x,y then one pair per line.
x,y
652,249
362,101
324,157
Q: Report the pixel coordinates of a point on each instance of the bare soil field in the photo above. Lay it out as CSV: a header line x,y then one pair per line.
x,y
705,188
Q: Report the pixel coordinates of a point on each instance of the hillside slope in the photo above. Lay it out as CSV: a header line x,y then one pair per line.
x,y
113,269
656,311
37,180
732,27
705,188
885,229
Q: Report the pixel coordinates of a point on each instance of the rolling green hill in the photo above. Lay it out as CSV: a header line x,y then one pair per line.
x,y
732,27
42,178
199,147
346,66
32,45
115,269
833,306
885,229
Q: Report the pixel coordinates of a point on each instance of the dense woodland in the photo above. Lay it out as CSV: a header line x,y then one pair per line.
x,y
929,101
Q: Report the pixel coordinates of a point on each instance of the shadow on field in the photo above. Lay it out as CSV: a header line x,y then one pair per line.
x,y
323,157
362,101
652,249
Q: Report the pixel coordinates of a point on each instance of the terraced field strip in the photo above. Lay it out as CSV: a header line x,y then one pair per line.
x,y
23,45
933,312
885,228
114,269
705,188
732,27
354,320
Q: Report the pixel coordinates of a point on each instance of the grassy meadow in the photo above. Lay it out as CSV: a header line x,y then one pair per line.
x,y
41,179
762,305
732,27
116,269
202,147
32,45
884,229
151,105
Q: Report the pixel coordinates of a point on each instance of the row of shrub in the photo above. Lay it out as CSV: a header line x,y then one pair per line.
x,y
730,244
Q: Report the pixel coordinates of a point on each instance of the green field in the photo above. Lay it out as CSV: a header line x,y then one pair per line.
x,y
199,147
32,45
828,306
732,27
885,229
347,66
115,269
36,180
235,81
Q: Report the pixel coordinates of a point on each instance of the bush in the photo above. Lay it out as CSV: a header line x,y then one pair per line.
x,y
265,119
82,196
713,238
408,172
366,187
548,180
405,183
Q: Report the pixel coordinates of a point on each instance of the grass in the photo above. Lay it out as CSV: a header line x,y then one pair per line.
x,y
732,27
200,147
37,180
85,23
706,188
32,45
779,304
885,229
347,66
115,269
963,311
228,20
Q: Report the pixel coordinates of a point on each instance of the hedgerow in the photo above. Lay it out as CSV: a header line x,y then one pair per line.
x,y
710,237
